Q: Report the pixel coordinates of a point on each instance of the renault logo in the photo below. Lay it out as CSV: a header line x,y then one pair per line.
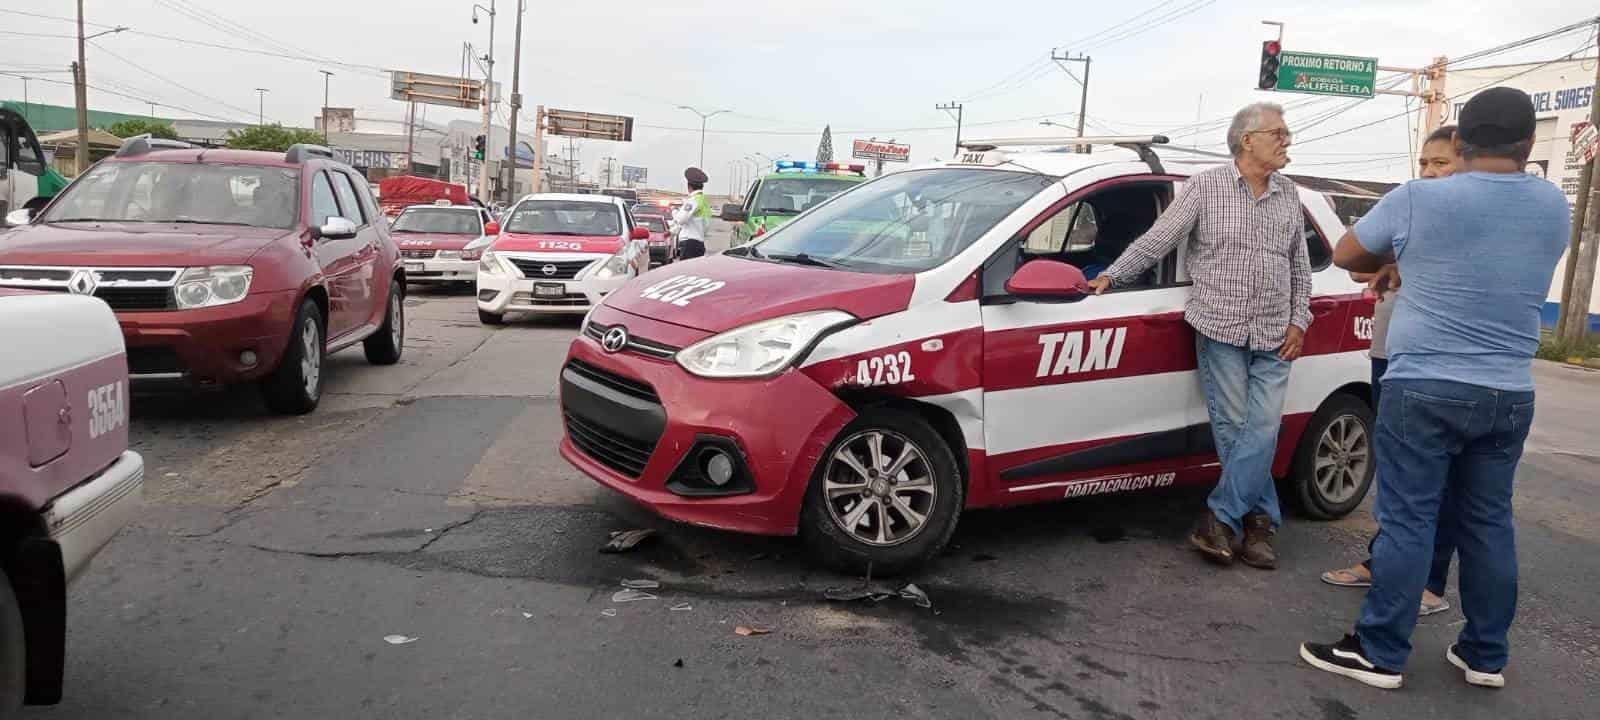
x,y
615,339
548,270
82,282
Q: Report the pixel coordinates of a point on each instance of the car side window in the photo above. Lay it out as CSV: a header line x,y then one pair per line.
x,y
1317,247
323,204
750,197
5,148
347,199
1090,234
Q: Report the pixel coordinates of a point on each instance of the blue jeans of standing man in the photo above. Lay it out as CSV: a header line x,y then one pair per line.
x,y
1244,391
1435,435
1444,544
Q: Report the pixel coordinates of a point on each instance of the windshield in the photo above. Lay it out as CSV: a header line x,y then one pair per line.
x,y
182,192
428,220
651,222
903,223
789,196
564,217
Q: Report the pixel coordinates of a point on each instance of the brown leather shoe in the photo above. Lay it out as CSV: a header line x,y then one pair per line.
x,y
1214,539
1256,551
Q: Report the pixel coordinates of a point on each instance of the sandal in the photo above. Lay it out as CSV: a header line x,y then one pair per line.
x,y
1345,578
1443,606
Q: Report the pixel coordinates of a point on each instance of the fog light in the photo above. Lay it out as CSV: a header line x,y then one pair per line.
x,y
247,358
718,467
487,295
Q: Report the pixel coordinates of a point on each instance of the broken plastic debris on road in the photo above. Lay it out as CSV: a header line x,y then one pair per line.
x,y
625,540
399,639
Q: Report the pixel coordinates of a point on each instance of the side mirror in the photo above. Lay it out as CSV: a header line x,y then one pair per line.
x,y
1047,281
337,228
19,217
734,213
491,228
639,233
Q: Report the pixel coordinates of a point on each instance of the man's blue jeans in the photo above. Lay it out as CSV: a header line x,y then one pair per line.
x,y
1444,544
1244,391
1435,435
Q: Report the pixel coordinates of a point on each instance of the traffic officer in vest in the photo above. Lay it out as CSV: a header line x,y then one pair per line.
x,y
693,217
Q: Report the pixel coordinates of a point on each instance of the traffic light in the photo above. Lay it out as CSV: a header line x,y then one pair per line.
x,y
479,144
1269,65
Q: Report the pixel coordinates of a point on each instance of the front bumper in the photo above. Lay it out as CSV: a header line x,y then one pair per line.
x,y
506,292
608,431
437,271
203,346
82,520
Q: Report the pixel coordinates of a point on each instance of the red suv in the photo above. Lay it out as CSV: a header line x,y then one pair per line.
x,y
223,266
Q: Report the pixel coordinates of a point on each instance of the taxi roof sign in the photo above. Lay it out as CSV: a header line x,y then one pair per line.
x,y
982,145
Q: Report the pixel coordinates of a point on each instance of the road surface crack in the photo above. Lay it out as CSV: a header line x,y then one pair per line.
x,y
1126,650
343,554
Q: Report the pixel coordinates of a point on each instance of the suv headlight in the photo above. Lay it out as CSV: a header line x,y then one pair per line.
x,y
200,287
489,264
760,349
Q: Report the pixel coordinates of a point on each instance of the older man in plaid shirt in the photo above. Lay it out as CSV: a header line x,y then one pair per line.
x,y
1250,308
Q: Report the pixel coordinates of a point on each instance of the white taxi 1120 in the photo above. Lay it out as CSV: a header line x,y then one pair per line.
x,y
559,254
924,343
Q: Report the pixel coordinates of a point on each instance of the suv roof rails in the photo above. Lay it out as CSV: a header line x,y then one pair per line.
x,y
300,152
1137,143
143,144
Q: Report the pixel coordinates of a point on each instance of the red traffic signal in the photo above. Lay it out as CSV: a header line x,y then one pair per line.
x,y
1271,47
1269,65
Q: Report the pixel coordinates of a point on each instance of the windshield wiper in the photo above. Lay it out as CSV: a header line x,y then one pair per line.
x,y
73,220
202,222
802,259
780,211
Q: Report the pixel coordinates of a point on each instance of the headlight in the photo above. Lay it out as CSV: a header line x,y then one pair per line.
x,y
761,349
200,287
449,255
489,264
615,266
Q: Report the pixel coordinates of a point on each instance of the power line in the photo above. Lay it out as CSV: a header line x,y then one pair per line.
x,y
38,35
1153,24
1074,44
213,20
170,81
54,17
135,98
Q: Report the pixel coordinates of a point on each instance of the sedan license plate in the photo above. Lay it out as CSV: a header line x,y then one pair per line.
x,y
413,267
549,289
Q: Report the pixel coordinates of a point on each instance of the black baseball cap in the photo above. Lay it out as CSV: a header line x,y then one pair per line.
x,y
695,175
1497,116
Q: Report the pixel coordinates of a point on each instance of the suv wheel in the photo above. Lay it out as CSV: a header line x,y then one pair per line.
x,y
295,387
13,652
384,346
886,494
1334,465
489,318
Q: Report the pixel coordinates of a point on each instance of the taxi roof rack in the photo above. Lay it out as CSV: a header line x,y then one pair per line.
x,y
1058,143
146,143
300,152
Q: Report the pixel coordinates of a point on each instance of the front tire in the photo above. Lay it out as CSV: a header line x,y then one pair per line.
x,y
295,386
886,495
384,346
13,653
489,318
1334,463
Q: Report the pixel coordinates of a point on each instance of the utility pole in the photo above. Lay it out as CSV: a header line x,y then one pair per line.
x,y
411,135
81,90
261,106
610,163
152,105
1578,280
703,118
947,107
326,76
484,192
538,149
516,103
1083,98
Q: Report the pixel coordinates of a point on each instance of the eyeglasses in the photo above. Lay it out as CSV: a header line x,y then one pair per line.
x,y
1281,134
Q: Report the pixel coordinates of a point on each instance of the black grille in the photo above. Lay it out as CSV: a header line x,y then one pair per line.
x,y
417,254
146,360
635,344
564,269
136,298
626,386
622,454
28,273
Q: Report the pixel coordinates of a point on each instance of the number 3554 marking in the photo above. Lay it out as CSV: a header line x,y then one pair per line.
x,y
680,289
891,369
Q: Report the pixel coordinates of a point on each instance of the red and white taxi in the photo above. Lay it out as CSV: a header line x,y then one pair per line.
x,y
923,343
559,254
442,243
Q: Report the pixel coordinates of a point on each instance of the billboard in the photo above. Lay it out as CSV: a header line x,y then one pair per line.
x,y
458,92
879,150
631,174
592,126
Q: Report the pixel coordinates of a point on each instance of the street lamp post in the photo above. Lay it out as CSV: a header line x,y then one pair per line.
x,y
261,106
703,118
80,80
484,192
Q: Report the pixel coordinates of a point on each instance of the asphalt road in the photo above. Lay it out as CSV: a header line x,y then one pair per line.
x,y
426,500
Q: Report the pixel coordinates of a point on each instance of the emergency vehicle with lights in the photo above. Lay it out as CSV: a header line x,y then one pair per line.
x,y
560,254
442,243
779,196
926,343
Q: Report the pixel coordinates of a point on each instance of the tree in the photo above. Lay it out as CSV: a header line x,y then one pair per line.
x,y
140,126
825,150
274,137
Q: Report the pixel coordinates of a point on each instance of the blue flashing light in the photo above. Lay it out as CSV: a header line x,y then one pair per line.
x,y
800,165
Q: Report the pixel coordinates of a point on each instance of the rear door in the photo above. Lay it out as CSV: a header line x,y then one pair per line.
x,y
1098,395
8,171
340,259
365,284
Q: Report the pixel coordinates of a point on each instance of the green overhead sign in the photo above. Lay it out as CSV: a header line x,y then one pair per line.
x,y
1320,74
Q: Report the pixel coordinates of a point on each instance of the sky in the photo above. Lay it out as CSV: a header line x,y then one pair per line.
x,y
783,70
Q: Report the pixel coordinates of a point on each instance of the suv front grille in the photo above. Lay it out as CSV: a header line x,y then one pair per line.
x,y
153,360
418,254
560,269
123,288
130,298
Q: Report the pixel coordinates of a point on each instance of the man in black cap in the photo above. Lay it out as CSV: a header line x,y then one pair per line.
x,y
1477,250
693,217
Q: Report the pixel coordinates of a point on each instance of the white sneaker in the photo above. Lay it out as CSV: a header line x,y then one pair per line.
x,y
1481,679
